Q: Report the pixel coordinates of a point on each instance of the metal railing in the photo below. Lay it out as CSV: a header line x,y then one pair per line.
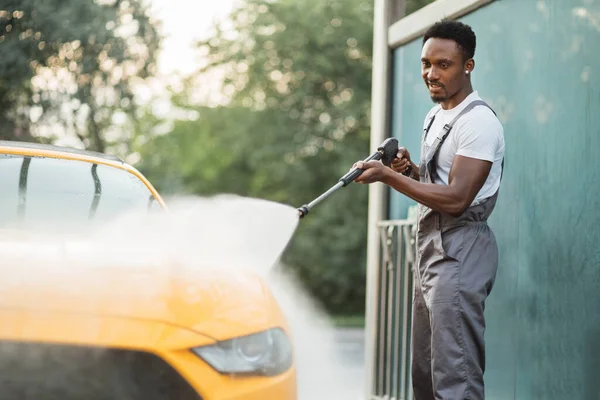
x,y
391,356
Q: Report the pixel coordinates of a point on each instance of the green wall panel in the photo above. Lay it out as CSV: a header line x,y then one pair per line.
x,y
538,65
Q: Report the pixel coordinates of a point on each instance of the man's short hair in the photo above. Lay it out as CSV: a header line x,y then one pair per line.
x,y
461,33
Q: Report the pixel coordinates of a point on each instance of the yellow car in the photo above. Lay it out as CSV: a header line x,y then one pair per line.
x,y
209,337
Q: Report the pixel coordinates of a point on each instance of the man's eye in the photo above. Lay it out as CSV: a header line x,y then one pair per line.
x,y
444,65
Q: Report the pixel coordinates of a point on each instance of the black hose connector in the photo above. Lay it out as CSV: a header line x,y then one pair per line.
x,y
303,211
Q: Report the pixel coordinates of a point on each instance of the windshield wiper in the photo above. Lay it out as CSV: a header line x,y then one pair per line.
x,y
23,175
97,191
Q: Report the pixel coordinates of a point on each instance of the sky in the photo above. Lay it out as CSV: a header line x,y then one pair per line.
x,y
183,22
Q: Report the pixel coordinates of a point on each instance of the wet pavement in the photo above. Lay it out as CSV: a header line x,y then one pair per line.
x,y
337,375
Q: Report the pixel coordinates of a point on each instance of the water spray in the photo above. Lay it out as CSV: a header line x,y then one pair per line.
x,y
386,152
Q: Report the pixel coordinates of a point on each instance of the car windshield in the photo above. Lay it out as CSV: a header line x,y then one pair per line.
x,y
54,193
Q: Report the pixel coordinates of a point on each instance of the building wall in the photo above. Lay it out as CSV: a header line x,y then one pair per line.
x,y
538,65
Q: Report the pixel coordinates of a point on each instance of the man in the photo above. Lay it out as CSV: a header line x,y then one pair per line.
x,y
455,185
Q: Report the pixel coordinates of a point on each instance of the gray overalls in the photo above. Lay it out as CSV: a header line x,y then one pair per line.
x,y
455,272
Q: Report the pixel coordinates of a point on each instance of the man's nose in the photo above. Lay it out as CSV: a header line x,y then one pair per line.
x,y
432,74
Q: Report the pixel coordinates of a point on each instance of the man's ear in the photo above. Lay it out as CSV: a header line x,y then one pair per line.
x,y
469,66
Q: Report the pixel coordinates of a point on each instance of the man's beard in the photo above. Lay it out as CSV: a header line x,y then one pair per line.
x,y
438,98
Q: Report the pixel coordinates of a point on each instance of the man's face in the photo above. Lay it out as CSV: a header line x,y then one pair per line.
x,y
443,68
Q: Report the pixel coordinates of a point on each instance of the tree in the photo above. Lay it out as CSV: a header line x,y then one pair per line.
x,y
197,156
72,65
414,5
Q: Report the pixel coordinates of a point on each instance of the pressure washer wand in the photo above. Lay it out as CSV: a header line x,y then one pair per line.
x,y
385,152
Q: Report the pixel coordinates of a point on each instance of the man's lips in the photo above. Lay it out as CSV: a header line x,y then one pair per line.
x,y
434,88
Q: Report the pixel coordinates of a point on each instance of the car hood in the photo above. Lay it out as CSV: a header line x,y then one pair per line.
x,y
72,277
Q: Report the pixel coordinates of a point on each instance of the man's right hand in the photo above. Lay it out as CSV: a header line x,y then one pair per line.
x,y
402,161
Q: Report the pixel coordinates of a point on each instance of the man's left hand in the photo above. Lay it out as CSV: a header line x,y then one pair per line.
x,y
375,171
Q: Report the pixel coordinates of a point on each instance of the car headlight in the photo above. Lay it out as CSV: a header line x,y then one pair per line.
x,y
266,353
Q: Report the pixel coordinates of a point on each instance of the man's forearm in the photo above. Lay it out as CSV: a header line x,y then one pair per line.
x,y
442,198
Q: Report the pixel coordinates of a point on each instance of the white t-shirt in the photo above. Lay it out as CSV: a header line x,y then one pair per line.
x,y
477,134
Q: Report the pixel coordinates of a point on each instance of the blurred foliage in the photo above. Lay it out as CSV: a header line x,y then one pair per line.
x,y
202,156
298,75
414,5
72,64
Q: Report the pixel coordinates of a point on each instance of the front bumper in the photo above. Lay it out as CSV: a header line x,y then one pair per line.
x,y
47,356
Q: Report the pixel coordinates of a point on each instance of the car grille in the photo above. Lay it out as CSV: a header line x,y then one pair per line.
x,y
60,372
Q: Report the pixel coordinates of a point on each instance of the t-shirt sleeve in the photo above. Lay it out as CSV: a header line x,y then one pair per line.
x,y
478,137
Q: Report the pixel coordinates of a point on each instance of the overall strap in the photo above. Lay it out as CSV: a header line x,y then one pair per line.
x,y
428,127
435,147
448,127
